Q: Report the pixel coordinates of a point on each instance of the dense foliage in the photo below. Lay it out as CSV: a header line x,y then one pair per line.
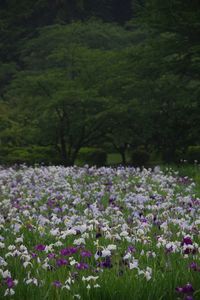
x,y
99,74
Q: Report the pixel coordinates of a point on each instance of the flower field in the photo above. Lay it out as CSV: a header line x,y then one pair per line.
x,y
87,233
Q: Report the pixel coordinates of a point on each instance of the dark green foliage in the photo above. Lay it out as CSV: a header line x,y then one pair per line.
x,y
70,80
193,154
62,90
140,157
93,156
28,155
170,155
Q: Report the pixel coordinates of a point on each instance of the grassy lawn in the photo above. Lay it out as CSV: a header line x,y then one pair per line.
x,y
114,159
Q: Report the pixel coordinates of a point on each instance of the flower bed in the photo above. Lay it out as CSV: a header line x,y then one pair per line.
x,y
87,233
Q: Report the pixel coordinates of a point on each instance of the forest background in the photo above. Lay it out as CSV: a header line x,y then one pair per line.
x,y
82,81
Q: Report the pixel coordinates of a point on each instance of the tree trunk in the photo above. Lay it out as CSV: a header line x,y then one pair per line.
x,y
63,148
123,155
74,155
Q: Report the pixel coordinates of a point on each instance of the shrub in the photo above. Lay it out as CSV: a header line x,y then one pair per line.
x,y
140,157
18,156
29,155
93,156
193,154
43,154
13,155
3,153
172,155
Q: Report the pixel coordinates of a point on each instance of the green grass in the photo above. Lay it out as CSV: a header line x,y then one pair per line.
x,y
114,159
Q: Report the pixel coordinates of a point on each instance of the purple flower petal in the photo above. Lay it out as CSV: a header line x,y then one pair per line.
x,y
188,288
57,283
51,255
61,262
187,241
82,266
9,282
189,298
68,251
86,253
193,266
40,247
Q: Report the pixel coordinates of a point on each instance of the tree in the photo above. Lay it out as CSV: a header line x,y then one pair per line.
x,y
62,86
165,72
124,131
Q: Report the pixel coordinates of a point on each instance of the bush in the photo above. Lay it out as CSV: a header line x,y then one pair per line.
x,y
140,157
18,156
29,155
193,154
93,156
172,156
3,153
13,155
43,154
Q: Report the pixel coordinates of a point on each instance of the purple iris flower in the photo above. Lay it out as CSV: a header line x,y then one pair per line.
x,y
144,220
61,262
86,253
34,255
57,283
193,266
9,282
186,241
112,199
189,298
169,250
40,247
82,266
51,255
51,203
106,263
131,249
188,251
188,288
68,251
65,252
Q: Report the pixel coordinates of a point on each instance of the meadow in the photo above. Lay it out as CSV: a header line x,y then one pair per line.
x,y
99,233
